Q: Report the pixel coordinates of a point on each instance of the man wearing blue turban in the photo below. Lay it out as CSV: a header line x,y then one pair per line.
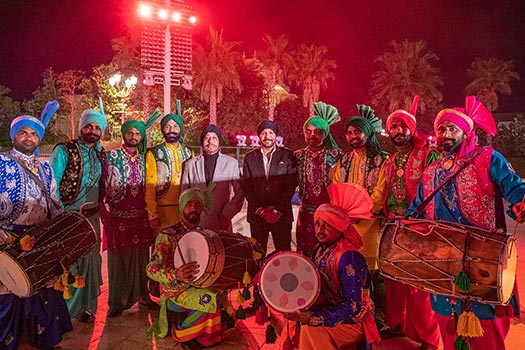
x,y
77,165
27,198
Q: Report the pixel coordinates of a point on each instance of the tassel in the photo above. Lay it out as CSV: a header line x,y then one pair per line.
x,y
240,299
246,279
462,281
461,344
80,282
27,242
67,293
257,299
295,338
239,314
462,327
261,315
10,239
452,323
58,284
504,311
288,344
227,306
474,326
246,293
65,278
271,335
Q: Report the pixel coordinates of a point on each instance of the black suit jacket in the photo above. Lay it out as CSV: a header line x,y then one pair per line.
x,y
277,190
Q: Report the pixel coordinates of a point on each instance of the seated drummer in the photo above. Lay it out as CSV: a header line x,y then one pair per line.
x,y
200,324
343,314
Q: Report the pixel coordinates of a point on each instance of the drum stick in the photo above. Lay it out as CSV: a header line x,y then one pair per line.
x,y
83,205
180,253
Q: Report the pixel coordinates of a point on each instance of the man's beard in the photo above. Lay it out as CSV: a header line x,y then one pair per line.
x,y
193,217
400,142
172,137
267,143
90,138
131,143
450,147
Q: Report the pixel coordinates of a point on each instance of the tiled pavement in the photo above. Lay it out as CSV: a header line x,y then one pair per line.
x,y
128,331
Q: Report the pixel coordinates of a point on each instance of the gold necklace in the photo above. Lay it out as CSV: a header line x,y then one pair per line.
x,y
132,157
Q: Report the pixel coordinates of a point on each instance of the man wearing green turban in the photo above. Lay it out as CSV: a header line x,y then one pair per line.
x,y
364,165
164,173
314,163
125,219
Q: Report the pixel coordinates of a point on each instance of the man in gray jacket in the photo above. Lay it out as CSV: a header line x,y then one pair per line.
x,y
223,171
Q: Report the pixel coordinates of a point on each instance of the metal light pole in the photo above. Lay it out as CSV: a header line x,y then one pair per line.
x,y
122,90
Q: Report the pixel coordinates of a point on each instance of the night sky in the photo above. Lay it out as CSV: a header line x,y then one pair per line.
x,y
76,34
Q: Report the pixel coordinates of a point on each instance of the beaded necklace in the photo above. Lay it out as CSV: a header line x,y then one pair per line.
x,y
398,185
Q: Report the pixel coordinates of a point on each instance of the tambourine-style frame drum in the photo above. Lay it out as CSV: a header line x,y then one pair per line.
x,y
430,254
62,240
289,282
223,257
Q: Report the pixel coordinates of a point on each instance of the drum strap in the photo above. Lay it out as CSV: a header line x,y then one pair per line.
x,y
37,181
449,178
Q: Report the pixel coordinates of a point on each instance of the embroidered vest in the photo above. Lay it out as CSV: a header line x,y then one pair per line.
x,y
475,190
72,177
371,171
165,161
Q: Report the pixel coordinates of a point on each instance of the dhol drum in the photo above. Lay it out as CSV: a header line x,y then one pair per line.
x,y
60,241
430,254
223,257
289,281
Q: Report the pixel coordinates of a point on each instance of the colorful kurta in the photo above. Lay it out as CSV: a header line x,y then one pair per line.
x,y
43,316
88,167
203,318
344,299
408,309
163,181
356,167
468,200
313,170
126,230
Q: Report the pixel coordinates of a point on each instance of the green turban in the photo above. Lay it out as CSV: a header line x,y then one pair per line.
x,y
196,193
368,124
326,115
142,128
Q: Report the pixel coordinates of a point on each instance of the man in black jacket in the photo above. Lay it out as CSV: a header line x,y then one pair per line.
x,y
269,181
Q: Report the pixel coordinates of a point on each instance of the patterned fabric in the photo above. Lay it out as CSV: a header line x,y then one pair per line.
x,y
124,178
163,179
180,294
44,315
448,206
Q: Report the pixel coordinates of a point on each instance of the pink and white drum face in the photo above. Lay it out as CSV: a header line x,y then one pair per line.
x,y
289,282
13,276
194,247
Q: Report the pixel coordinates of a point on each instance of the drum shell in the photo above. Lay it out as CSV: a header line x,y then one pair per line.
x,y
62,240
430,254
230,256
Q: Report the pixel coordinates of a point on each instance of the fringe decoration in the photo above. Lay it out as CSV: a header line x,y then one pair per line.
x,y
271,335
461,344
462,281
240,314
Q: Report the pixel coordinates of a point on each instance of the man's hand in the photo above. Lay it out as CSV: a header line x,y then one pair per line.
x,y
270,215
519,211
154,224
187,272
302,316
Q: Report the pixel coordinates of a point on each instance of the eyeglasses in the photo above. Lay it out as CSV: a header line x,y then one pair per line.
x,y
316,132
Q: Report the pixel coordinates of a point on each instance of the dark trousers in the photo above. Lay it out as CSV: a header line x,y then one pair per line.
x,y
281,234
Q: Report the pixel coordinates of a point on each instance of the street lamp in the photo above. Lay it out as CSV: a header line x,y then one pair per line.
x,y
166,45
122,89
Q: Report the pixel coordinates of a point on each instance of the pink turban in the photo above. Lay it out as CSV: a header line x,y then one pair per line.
x,y
408,117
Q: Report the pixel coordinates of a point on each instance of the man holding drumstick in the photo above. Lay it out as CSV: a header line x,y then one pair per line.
x,y
201,323
28,198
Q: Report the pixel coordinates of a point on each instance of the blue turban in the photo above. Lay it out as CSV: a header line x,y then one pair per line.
x,y
93,116
38,125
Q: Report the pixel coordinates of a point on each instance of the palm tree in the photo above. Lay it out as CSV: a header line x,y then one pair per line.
x,y
274,59
490,77
215,70
312,71
127,53
405,72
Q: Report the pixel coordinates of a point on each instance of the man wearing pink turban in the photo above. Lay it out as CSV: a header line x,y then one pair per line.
x,y
474,198
408,309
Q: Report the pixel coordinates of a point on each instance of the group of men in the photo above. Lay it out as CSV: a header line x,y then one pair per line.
x,y
156,195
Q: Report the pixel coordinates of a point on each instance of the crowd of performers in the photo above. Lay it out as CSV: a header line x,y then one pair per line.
x,y
149,198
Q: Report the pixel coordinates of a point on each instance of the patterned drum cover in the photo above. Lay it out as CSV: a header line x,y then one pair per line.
x,y
289,282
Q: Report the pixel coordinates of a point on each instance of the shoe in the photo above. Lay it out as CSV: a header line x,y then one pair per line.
x,y
191,345
86,317
148,303
114,312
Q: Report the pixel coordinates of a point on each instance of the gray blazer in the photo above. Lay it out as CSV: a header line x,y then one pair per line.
x,y
227,199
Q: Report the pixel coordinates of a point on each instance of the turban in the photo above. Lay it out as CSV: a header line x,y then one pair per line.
x,y
211,128
38,125
475,114
142,128
368,124
93,116
347,201
196,193
327,115
267,124
175,117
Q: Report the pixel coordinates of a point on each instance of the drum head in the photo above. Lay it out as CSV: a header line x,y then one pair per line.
x,y
13,276
289,282
194,247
